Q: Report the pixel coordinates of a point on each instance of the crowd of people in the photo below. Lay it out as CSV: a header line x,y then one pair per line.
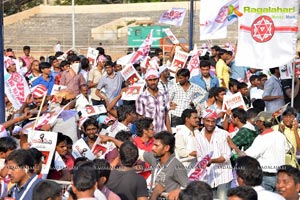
x,y
154,143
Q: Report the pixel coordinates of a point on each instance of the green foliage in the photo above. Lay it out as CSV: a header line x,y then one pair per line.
x,y
13,6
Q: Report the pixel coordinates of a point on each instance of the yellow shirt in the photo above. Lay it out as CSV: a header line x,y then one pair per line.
x,y
289,133
222,71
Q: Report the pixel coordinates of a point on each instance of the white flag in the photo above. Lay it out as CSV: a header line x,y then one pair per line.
x,y
174,16
267,33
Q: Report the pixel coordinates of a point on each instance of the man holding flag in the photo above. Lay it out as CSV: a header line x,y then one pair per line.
x,y
213,139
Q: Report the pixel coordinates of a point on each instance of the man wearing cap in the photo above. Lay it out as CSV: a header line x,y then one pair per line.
x,y
268,148
153,103
213,139
164,84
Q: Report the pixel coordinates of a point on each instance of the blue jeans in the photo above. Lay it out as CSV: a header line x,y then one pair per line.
x,y
269,183
220,192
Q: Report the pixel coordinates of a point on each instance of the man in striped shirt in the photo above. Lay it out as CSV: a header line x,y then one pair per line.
x,y
154,103
213,139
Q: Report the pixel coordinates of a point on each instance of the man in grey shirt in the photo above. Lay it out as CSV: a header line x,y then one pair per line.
x,y
111,83
168,173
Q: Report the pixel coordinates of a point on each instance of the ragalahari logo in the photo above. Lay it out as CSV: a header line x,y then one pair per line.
x,y
228,13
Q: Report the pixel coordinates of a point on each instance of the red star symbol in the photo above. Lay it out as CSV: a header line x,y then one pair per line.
x,y
262,29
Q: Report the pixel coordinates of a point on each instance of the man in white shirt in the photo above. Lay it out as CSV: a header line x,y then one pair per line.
x,y
126,115
268,148
185,143
250,173
83,99
213,139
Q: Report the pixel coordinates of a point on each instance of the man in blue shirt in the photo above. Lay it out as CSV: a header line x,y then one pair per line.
x,y
273,93
205,80
20,165
46,78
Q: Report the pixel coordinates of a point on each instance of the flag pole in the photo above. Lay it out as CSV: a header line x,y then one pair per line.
x,y
191,24
2,95
293,85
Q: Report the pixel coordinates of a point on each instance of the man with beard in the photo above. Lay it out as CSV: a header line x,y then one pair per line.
x,y
184,95
164,84
153,103
213,139
91,129
168,174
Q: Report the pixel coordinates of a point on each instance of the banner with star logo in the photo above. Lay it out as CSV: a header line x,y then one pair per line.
x,y
267,33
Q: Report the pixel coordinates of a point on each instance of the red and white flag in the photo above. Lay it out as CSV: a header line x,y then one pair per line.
x,y
144,49
174,16
267,33
199,172
16,90
227,13
194,64
171,36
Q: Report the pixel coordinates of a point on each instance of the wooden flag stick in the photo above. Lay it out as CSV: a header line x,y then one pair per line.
x,y
40,110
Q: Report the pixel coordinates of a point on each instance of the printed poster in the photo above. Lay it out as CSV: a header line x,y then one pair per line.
x,y
133,92
179,59
297,68
56,88
45,142
286,71
92,55
100,150
233,101
81,149
130,74
93,110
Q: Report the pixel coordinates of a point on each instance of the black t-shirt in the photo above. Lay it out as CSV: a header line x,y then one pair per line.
x,y
287,84
127,184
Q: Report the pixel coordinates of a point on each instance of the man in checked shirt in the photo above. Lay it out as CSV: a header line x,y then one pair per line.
x,y
153,103
184,95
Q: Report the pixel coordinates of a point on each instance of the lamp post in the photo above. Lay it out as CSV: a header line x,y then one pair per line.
x,y
191,24
2,95
73,24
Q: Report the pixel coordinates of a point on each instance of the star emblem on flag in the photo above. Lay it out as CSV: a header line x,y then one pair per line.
x,y
262,29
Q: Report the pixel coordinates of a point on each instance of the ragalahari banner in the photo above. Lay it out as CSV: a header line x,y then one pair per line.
x,y
267,33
